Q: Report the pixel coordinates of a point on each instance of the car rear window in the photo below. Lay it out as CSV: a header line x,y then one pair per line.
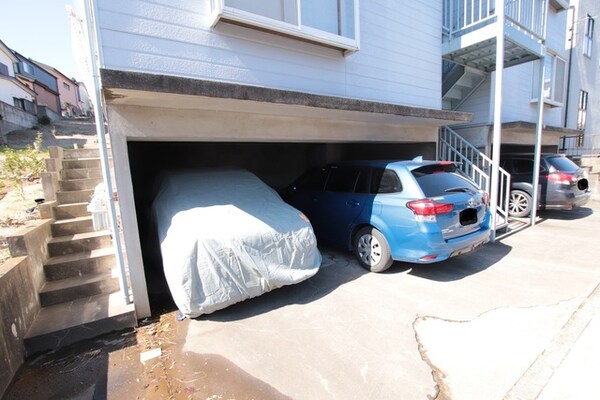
x,y
562,164
438,179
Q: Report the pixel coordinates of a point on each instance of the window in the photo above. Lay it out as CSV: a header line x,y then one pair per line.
x,y
582,109
312,180
19,103
588,39
329,22
28,68
342,179
3,69
66,86
385,181
554,80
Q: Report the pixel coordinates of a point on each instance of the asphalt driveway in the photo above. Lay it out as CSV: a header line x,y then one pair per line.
x,y
516,319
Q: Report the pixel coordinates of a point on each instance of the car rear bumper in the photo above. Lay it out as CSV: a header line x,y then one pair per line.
x,y
567,200
427,248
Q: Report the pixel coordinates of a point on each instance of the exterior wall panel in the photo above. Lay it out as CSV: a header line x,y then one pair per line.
x,y
398,62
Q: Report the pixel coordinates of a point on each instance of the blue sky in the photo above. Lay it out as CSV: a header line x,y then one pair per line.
x,y
41,30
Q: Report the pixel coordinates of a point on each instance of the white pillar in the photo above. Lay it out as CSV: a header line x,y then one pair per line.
x,y
497,134
538,140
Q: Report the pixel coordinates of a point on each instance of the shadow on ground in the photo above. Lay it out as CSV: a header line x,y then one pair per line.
x,y
77,371
337,269
460,267
565,215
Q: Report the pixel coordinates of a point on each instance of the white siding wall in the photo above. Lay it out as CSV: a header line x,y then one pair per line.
x,y
4,59
9,89
399,60
585,71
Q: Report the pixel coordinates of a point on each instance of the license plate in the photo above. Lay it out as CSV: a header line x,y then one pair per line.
x,y
468,216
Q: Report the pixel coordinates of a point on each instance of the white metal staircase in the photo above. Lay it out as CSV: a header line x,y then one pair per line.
x,y
459,82
478,166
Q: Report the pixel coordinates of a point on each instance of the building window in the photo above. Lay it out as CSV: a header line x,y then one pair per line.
x,y
554,80
66,86
28,68
582,109
3,69
588,39
329,22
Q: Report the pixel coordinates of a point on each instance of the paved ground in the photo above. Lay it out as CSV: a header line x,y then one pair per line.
x,y
519,319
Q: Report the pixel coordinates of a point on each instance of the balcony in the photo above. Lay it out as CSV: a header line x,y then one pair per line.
x,y
471,28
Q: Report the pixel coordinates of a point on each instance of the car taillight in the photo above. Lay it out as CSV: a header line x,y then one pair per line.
x,y
562,178
428,207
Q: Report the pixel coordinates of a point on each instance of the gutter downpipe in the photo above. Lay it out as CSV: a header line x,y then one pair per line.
x,y
539,129
570,65
101,132
497,133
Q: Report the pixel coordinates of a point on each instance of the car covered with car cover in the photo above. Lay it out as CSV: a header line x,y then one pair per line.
x,y
225,236
414,211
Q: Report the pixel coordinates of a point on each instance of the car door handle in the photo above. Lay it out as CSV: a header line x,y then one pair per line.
x,y
352,203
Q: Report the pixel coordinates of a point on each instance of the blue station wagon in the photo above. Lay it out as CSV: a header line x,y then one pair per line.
x,y
413,211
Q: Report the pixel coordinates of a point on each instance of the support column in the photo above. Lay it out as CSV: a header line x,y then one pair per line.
x,y
538,140
497,133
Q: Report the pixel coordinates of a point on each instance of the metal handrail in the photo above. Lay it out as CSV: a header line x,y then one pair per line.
x,y
464,15
476,165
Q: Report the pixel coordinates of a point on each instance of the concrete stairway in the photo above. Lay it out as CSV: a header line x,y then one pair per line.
x,y
81,297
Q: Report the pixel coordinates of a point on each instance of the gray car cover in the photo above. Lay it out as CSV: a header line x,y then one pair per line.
x,y
225,236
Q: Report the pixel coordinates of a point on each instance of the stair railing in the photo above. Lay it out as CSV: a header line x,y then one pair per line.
x,y
476,165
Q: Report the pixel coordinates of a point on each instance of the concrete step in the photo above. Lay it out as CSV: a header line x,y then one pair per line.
x,y
72,226
68,211
69,289
79,243
79,264
81,163
70,154
67,323
82,173
75,196
79,184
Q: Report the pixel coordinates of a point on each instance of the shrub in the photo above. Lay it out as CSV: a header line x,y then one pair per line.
x,y
23,164
44,120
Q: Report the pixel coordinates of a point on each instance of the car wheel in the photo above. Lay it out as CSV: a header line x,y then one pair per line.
x,y
519,204
372,250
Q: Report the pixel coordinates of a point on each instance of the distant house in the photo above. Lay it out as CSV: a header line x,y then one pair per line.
x,y
17,101
68,90
85,102
44,84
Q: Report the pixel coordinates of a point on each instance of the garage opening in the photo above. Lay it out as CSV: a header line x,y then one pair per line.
x,y
277,164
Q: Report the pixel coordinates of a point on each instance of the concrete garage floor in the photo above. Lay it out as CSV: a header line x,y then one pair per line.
x,y
518,319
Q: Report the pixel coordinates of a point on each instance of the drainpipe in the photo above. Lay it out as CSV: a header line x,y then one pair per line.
x,y
101,132
497,133
572,9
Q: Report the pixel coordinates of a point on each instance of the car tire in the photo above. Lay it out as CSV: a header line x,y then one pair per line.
x,y
519,204
372,249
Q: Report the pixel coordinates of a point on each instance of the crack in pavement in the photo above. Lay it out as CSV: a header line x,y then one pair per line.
x,y
512,329
531,384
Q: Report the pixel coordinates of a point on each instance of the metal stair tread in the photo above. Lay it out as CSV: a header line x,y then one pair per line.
x,y
79,236
51,286
58,317
106,251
